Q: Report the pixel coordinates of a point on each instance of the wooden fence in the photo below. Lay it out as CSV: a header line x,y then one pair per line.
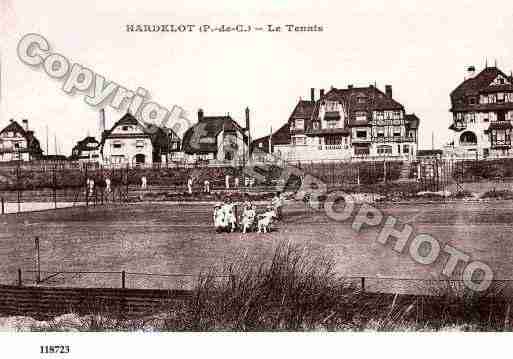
x,y
45,302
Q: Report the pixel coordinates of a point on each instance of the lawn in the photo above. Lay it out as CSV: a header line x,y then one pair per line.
x,y
165,238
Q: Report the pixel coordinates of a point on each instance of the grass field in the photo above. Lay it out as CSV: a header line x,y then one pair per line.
x,y
168,238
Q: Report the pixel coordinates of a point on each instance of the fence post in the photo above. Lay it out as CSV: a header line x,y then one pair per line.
x,y
127,169
54,186
123,279
19,277
86,186
18,186
38,261
3,206
363,284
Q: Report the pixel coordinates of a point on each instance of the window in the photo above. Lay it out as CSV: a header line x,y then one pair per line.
x,y
486,120
260,145
361,99
333,140
361,116
331,124
397,132
382,150
117,145
406,149
472,101
501,81
299,141
139,143
300,124
500,97
126,128
361,134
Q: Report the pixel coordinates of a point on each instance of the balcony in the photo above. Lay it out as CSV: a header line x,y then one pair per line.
x,y
361,140
332,147
501,144
394,139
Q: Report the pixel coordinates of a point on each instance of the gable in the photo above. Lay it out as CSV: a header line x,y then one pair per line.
x,y
500,80
126,128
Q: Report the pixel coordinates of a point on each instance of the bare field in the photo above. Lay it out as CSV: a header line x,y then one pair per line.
x,y
165,238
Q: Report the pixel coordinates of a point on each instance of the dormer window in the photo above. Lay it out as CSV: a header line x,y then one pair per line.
x,y
361,99
472,101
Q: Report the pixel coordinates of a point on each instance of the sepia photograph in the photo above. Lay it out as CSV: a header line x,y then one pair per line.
x,y
284,168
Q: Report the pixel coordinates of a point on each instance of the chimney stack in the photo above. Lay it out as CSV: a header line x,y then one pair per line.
x,y
312,94
247,118
321,93
350,86
25,124
471,71
388,90
102,121
200,115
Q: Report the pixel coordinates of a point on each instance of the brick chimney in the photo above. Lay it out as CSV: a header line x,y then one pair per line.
x,y
350,86
321,93
471,72
200,115
388,90
312,94
25,124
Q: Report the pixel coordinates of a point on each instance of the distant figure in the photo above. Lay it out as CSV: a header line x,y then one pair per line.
x,y
236,183
107,185
90,183
248,217
206,186
277,204
144,182
189,185
227,181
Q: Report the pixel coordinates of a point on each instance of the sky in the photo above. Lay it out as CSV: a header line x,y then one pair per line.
x,y
420,48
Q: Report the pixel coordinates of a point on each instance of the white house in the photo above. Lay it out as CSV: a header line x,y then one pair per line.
x,y
19,143
482,114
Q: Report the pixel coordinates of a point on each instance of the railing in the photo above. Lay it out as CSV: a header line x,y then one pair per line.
x,y
362,140
394,139
333,147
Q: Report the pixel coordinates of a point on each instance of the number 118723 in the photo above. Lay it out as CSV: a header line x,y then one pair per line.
x,y
54,349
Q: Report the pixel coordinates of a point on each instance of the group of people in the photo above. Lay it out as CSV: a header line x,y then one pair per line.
x,y
227,217
248,182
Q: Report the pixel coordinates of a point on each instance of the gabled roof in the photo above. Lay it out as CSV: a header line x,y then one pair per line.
x,y
359,99
303,109
33,145
363,99
83,145
279,137
481,83
161,137
202,137
15,127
